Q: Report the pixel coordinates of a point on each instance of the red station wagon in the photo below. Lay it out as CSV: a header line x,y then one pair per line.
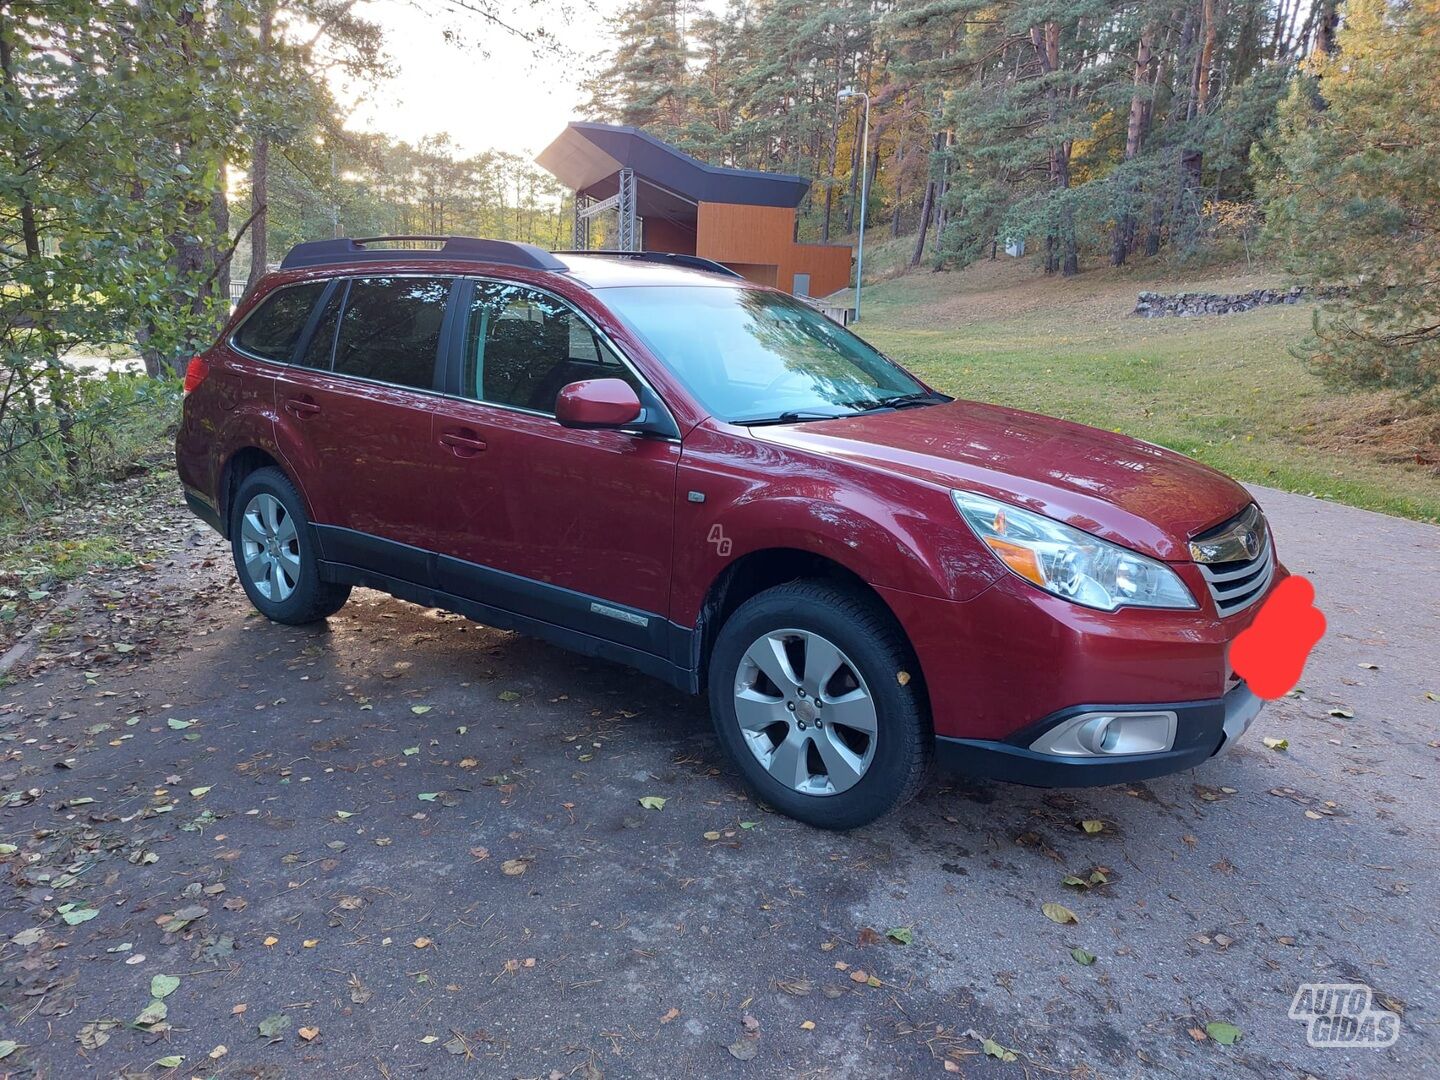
x,y
644,458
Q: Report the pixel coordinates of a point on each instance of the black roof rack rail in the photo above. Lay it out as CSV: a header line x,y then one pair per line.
x,y
692,262
352,249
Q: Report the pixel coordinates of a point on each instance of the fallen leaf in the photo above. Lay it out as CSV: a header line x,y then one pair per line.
x,y
170,1061
515,867
807,1025
653,802
8,1047
420,710
152,1014
995,1050
743,1049
274,1027
1223,1033
1083,958
308,1033
1059,913
1343,714
901,935
219,1052
75,916
712,835
310,943
1276,744
1091,825
162,986
669,1015
423,942
270,941
198,792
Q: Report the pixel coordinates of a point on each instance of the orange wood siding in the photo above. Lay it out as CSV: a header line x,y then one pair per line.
x,y
763,236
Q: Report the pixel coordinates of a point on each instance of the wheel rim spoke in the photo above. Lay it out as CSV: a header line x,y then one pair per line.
x,y
251,528
854,710
756,712
787,762
822,661
843,767
768,654
271,509
277,581
286,532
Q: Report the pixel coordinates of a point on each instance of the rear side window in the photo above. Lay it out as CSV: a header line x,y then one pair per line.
x,y
390,330
321,346
273,329
523,346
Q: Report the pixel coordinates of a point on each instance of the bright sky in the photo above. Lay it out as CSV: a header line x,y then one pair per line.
x,y
455,72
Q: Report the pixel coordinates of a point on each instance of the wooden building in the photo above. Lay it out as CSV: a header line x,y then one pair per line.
x,y
666,200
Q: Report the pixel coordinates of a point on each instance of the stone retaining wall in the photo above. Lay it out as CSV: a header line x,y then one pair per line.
x,y
1152,305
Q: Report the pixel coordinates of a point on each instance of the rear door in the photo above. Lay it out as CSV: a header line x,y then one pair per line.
x,y
569,527
358,410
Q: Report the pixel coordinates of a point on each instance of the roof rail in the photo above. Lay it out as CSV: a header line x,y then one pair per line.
x,y
351,250
692,262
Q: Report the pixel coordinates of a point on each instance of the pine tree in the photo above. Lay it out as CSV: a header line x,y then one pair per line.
x,y
1352,199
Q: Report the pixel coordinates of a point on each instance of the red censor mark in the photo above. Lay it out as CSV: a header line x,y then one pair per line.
x,y
1270,653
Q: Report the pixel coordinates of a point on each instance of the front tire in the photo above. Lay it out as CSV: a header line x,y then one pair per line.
x,y
275,554
816,698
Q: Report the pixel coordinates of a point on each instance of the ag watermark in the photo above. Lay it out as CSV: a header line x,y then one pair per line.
x,y
1343,1015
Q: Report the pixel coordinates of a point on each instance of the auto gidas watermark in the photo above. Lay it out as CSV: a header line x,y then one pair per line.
x,y
1343,1015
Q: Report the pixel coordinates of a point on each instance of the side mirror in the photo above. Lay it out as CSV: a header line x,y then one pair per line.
x,y
597,403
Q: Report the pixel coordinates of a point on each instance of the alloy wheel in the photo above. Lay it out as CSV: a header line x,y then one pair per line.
x,y
805,712
270,544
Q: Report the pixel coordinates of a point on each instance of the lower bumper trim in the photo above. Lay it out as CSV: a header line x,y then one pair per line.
x,y
1204,729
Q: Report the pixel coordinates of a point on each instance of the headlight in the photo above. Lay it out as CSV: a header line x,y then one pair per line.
x,y
1071,563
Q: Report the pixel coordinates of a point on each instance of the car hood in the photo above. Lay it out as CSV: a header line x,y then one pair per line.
x,y
1134,493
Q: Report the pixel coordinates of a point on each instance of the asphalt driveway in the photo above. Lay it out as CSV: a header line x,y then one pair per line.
x,y
403,844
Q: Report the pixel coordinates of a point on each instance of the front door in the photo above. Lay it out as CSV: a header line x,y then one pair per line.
x,y
569,527
359,406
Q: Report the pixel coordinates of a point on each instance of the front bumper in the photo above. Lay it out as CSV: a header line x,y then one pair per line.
x,y
1203,729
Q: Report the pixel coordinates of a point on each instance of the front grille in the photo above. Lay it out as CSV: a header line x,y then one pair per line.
x,y
1236,583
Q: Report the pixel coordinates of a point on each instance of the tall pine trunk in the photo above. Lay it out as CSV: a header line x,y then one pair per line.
x,y
260,172
1124,236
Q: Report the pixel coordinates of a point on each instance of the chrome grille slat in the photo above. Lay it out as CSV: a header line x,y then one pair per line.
x,y
1237,584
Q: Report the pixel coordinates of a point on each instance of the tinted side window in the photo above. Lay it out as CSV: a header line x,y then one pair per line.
x,y
273,329
321,347
390,330
522,346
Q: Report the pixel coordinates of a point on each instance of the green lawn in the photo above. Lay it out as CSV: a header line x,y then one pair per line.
x,y
1223,389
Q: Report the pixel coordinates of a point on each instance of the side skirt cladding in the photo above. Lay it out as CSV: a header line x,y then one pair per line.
x,y
584,624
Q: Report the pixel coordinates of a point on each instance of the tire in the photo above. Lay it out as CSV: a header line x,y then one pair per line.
x,y
277,512
804,618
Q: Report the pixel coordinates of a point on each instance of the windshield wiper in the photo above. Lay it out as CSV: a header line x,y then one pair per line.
x,y
792,416
900,401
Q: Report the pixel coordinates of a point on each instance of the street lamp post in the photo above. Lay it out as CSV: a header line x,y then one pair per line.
x,y
850,94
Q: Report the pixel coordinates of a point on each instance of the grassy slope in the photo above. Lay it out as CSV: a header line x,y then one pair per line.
x,y
1223,389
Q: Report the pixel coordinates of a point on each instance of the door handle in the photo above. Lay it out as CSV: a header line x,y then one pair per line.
x,y
301,407
464,442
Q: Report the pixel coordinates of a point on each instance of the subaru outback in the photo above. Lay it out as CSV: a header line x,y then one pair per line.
x,y
647,459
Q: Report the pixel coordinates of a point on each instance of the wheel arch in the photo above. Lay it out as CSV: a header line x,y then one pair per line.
x,y
239,465
758,570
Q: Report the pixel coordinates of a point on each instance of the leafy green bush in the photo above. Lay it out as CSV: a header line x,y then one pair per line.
x,y
120,422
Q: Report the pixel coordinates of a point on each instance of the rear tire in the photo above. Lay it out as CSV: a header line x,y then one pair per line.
x,y
865,747
275,552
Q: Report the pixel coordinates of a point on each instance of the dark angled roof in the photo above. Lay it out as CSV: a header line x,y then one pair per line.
x,y
585,157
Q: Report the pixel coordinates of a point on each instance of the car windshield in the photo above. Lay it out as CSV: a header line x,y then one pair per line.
x,y
752,355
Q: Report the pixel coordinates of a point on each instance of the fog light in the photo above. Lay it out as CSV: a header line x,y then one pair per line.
x,y
1106,734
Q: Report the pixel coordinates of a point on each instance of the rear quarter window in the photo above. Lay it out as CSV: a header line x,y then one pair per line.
x,y
273,330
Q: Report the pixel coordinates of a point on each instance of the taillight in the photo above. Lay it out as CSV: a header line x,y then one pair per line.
x,y
196,372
